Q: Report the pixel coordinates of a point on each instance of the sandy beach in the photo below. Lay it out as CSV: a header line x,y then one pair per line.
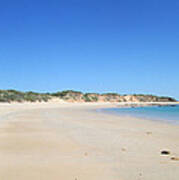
x,y
73,141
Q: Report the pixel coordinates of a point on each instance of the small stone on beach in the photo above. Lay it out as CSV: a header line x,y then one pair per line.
x,y
165,152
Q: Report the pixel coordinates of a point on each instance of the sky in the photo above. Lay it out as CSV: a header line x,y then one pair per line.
x,y
122,46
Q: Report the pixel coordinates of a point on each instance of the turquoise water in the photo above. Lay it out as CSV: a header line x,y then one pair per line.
x,y
168,114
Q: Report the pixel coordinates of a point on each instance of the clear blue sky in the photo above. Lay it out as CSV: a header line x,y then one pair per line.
x,y
122,46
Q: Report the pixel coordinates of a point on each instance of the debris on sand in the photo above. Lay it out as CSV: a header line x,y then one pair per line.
x,y
148,133
175,158
123,149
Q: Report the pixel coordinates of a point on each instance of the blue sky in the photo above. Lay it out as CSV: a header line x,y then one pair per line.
x,y
122,46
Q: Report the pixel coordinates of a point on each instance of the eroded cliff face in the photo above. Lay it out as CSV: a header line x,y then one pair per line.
x,y
75,96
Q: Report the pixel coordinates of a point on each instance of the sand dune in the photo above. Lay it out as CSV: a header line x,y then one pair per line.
x,y
52,141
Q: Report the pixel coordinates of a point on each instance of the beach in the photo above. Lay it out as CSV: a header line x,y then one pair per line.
x,y
74,141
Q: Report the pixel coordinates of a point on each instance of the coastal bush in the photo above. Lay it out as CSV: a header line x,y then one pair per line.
x,y
17,96
94,98
10,95
66,93
90,97
111,94
86,98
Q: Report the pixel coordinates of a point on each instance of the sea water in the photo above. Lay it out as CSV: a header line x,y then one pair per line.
x,y
168,114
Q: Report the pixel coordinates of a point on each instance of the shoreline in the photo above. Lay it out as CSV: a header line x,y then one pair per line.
x,y
151,119
49,140
129,114
145,104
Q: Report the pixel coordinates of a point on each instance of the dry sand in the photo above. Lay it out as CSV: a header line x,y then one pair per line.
x,y
61,141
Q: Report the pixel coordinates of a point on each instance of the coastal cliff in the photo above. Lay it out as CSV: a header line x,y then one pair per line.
x,y
75,96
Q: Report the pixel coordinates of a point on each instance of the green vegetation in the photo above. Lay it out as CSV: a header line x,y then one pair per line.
x,y
86,98
111,94
17,96
65,93
90,97
68,95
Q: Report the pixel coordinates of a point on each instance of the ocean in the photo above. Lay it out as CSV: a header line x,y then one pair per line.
x,y
169,114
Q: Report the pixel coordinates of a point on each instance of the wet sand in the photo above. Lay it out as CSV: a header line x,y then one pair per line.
x,y
52,141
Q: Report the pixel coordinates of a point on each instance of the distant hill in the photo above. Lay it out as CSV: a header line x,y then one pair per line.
x,y
75,96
